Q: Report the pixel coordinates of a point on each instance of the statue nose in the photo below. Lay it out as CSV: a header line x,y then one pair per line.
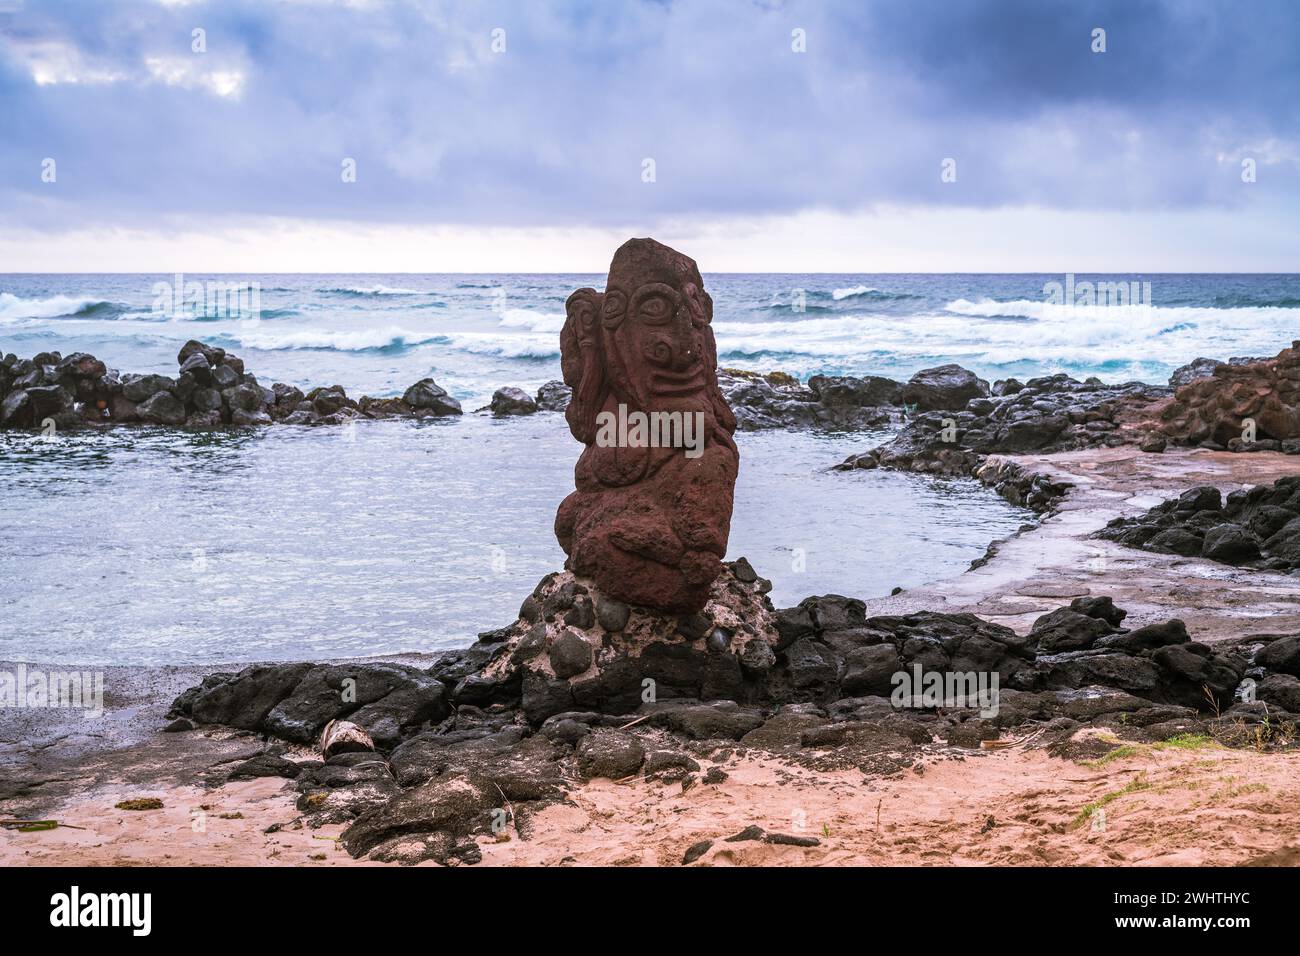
x,y
685,354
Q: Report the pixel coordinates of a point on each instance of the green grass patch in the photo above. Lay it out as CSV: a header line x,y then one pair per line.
x,y
1179,742
1134,786
1119,753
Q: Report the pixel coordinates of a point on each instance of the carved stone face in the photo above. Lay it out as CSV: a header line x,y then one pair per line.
x,y
658,330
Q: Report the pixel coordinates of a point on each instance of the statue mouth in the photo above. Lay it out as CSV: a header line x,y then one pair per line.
x,y
677,383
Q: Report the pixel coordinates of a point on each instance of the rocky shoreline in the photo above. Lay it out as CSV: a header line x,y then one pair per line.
x,y
212,389
580,687
1056,413
947,421
1255,528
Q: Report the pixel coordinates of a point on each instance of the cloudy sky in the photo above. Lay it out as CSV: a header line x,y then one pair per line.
x,y
784,136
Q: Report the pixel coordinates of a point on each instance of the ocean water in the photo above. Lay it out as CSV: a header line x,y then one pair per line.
x,y
148,546
379,333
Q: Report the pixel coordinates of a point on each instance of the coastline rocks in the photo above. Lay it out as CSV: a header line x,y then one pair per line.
x,y
1281,690
1281,655
80,365
137,388
327,400
512,401
617,657
296,701
822,651
1069,629
947,387
48,401
1230,544
778,400
240,700
569,654
428,395
1197,368
198,368
554,397
1020,486
454,806
16,408
1045,415
225,376
211,390
609,753
819,683
840,391
701,720
1221,408
266,764
1254,528
162,408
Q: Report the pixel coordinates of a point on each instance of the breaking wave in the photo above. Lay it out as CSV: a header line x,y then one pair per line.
x,y
395,340
856,291
1165,315
533,321
366,292
13,308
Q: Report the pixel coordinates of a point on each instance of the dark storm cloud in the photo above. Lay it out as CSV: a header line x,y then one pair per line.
x,y
555,129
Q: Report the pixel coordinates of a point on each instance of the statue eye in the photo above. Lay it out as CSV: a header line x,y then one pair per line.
x,y
655,309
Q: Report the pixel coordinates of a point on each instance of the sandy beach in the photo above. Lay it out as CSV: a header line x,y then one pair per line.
x,y
1208,806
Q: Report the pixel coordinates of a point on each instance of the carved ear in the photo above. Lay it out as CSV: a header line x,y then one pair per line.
x,y
582,360
699,303
614,308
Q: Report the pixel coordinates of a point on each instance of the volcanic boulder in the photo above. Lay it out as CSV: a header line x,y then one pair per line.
x,y
947,387
1239,404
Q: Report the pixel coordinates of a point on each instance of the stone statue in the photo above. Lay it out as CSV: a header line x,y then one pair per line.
x,y
649,520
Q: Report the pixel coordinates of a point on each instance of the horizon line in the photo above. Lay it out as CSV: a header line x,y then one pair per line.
x,y
1018,272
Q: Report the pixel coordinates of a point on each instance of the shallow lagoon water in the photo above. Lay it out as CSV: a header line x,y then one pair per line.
x,y
143,546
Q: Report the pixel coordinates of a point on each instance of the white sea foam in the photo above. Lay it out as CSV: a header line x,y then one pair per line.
x,y
839,294
12,307
533,321
531,345
374,290
341,340
1036,332
1165,315
507,345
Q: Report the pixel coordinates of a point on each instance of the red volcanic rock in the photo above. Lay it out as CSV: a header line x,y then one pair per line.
x,y
649,520
1216,408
